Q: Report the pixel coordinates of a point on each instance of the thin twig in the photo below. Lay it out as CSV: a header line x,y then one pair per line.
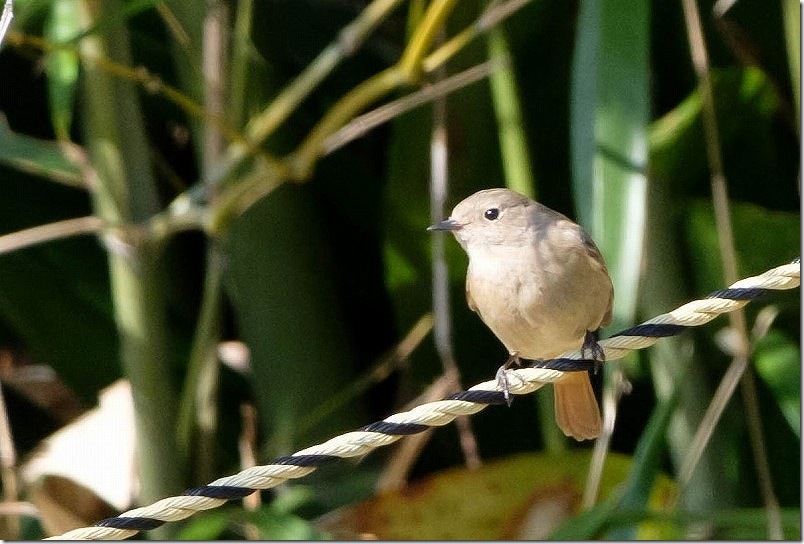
x,y
401,461
150,83
611,401
497,11
364,123
262,125
424,35
49,232
737,319
442,328
395,359
19,508
348,41
214,55
416,60
494,14
198,408
299,165
706,427
247,446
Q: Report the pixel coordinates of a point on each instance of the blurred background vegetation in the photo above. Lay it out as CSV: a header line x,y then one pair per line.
x,y
200,143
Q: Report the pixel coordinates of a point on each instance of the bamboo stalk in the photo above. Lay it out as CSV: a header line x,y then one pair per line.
x,y
126,194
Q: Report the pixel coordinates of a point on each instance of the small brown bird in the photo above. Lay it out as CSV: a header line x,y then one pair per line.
x,y
539,282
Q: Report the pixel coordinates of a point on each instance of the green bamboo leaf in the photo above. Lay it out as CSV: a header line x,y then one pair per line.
x,y
637,491
610,111
646,468
778,364
61,65
732,524
748,523
38,157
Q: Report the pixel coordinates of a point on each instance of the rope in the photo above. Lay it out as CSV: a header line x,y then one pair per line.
x,y
391,429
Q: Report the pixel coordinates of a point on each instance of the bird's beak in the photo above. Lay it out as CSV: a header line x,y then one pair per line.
x,y
446,224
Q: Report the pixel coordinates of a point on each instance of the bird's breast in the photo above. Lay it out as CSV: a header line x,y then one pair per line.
x,y
537,310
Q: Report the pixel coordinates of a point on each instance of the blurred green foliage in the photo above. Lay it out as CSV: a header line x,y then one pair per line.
x,y
323,270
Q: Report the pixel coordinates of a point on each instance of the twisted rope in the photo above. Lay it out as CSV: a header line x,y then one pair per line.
x,y
392,428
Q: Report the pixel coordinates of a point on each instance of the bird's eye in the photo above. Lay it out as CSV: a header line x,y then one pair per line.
x,y
491,214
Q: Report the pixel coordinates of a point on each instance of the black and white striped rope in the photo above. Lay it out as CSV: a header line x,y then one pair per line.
x,y
420,418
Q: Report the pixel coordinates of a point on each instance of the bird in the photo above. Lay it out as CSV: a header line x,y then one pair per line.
x,y
540,283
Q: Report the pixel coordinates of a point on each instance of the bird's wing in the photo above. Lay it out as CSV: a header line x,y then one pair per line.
x,y
591,248
572,238
597,260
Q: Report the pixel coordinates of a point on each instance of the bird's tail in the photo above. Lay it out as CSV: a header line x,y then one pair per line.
x,y
577,413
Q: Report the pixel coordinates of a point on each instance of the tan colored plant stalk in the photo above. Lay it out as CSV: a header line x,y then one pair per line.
x,y
739,368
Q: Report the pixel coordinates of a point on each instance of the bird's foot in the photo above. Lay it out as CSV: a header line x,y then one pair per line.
x,y
591,345
502,376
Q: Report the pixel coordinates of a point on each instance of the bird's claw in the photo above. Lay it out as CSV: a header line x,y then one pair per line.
x,y
502,377
591,345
